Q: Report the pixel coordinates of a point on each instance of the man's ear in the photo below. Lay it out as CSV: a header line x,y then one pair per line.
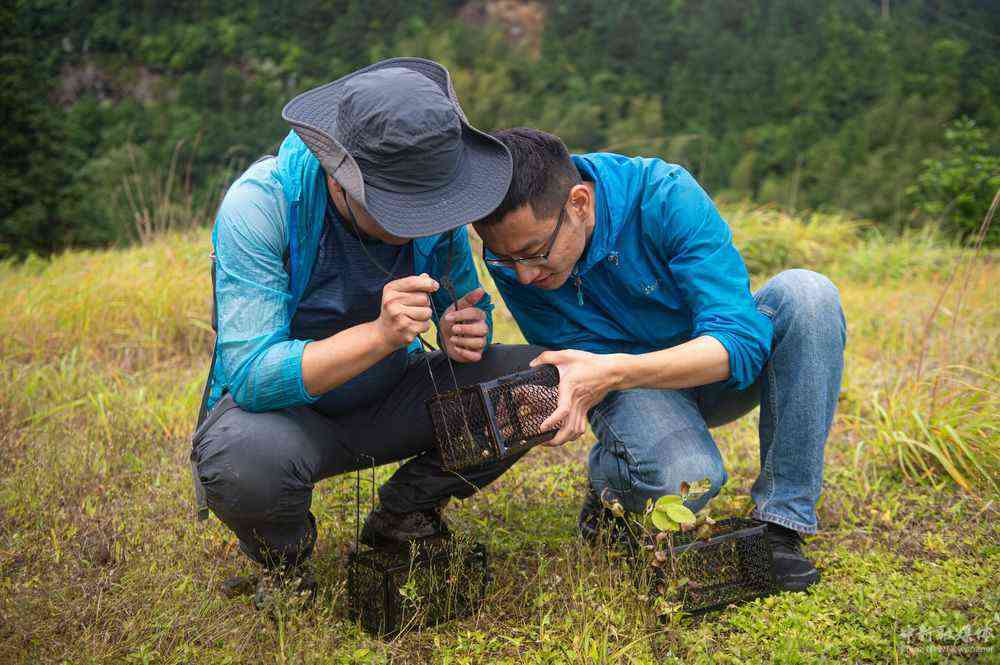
x,y
479,226
579,198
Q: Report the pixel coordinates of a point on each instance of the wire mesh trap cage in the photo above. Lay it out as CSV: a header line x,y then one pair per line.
x,y
491,420
392,590
733,565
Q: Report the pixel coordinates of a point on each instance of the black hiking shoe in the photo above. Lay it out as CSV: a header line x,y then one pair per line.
x,y
385,529
791,570
598,525
242,585
285,589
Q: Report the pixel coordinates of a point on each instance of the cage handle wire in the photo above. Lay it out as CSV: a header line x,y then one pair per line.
x,y
357,501
449,287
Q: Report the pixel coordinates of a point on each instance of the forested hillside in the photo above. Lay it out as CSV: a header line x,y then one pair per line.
x,y
123,118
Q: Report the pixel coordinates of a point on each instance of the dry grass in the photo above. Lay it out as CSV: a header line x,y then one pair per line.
x,y
103,356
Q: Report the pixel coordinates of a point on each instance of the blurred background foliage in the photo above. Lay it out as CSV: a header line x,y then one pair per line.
x,y
122,118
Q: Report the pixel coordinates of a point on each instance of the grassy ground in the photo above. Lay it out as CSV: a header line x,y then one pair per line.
x,y
103,357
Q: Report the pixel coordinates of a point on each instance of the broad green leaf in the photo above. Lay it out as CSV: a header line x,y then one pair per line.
x,y
666,500
663,522
680,513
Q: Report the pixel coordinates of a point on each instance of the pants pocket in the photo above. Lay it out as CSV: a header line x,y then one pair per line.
x,y
615,462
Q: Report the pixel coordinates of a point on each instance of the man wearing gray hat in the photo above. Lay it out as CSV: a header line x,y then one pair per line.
x,y
330,260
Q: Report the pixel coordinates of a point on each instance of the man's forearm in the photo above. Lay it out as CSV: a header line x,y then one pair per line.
x,y
695,363
330,362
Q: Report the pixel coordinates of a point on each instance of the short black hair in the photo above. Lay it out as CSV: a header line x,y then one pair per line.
x,y
543,173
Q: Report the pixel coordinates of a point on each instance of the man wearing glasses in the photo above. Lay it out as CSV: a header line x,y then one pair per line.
x,y
624,268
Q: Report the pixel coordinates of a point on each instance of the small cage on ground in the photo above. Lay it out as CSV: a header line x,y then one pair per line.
x,y
494,419
733,565
390,591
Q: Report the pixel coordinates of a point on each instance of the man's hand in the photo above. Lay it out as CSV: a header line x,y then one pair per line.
x,y
584,380
464,328
406,310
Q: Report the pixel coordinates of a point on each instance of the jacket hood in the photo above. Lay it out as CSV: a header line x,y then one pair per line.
x,y
298,169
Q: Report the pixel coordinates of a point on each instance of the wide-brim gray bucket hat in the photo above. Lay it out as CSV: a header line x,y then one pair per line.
x,y
395,138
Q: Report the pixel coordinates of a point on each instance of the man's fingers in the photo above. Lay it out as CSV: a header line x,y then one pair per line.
x,y
479,329
546,358
579,426
469,343
557,417
560,438
464,355
466,315
416,313
470,298
571,430
411,298
422,282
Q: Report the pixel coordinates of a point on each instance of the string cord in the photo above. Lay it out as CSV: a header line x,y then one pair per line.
x,y
449,287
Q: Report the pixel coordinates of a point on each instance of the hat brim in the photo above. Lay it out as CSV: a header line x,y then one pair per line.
x,y
477,189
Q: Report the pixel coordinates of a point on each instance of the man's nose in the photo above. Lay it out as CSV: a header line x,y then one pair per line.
x,y
526,274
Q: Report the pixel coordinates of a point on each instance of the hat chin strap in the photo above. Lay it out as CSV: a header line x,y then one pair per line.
x,y
356,227
424,343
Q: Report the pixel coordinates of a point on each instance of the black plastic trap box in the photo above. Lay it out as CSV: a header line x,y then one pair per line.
x,y
494,419
436,581
732,566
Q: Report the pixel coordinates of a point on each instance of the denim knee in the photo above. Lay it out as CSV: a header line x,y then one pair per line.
x,y
692,470
637,474
802,300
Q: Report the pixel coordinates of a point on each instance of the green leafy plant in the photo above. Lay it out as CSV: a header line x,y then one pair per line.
x,y
669,513
957,189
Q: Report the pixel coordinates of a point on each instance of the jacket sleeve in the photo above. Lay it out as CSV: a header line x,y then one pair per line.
x,y
262,366
698,247
464,274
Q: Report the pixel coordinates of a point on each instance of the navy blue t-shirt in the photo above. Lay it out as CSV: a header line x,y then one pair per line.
x,y
344,290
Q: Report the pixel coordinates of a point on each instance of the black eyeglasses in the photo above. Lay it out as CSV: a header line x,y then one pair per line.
x,y
537,259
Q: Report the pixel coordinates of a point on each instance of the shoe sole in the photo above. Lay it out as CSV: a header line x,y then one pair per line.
x,y
376,540
799,582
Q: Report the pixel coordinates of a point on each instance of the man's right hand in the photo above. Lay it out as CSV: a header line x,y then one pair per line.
x,y
406,310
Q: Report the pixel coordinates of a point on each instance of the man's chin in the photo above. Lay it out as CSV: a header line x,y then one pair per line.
x,y
552,282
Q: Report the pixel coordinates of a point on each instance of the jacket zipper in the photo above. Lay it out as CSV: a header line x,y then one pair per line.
x,y
579,287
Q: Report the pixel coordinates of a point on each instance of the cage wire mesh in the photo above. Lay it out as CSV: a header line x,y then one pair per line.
x,y
494,419
732,566
390,591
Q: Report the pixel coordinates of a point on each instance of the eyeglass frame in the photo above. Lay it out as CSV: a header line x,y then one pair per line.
x,y
533,260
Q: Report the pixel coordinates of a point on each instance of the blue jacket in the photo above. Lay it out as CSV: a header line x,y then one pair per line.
x,y
275,209
660,269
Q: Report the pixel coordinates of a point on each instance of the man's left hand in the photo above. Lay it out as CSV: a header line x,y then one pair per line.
x,y
584,380
464,329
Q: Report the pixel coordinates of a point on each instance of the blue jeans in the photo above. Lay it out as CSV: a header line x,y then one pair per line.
x,y
650,440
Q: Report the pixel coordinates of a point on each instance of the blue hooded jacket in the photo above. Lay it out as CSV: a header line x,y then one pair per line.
x,y
660,269
275,209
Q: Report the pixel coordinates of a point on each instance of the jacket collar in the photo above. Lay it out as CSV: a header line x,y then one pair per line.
x,y
299,171
609,207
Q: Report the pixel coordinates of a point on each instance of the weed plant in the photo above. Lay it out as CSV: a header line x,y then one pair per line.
x,y
102,360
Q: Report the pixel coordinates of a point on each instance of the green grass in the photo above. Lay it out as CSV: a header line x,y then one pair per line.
x,y
103,357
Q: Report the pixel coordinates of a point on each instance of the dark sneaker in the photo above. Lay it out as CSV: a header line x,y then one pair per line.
x,y
387,529
791,570
243,585
598,525
285,588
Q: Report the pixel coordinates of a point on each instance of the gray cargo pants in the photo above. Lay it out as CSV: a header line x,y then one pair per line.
x,y
258,469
